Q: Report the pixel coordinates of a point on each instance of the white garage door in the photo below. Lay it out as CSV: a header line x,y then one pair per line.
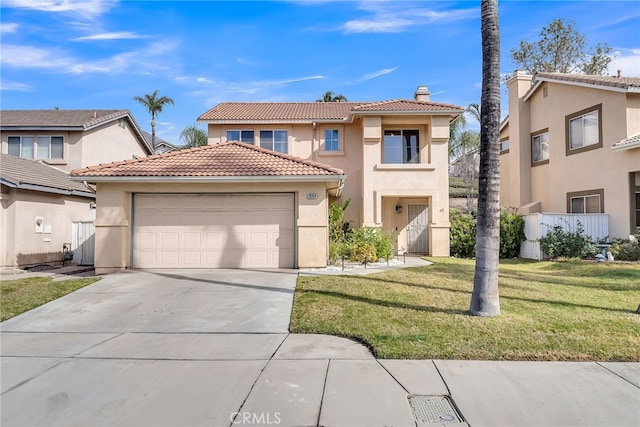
x,y
213,231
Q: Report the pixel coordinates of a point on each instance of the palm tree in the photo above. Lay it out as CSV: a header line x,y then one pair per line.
x,y
193,136
154,105
329,96
485,300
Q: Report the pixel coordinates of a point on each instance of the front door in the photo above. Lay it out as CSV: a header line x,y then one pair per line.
x,y
417,234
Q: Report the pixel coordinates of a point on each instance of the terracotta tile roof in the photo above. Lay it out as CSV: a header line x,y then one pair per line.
x,y
403,105
627,143
611,81
313,111
226,159
18,172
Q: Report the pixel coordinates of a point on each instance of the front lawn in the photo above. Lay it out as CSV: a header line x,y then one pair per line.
x,y
550,311
18,296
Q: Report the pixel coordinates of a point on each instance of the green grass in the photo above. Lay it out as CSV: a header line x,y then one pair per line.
x,y
550,311
18,296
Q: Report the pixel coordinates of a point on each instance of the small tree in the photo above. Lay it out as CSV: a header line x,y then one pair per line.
x,y
193,136
561,49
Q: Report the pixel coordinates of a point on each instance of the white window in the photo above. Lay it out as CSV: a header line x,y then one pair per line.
x,y
540,147
50,147
331,140
275,140
589,203
21,146
241,135
584,130
401,146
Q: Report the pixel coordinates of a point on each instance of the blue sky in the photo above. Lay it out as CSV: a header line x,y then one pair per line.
x,y
100,53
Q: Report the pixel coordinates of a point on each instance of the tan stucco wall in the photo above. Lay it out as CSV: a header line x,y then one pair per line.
x,y
110,143
114,215
21,244
368,180
589,170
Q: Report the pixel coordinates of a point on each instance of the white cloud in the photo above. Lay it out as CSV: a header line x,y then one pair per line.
x,y
151,57
20,87
627,60
392,17
378,74
111,36
85,8
203,80
8,27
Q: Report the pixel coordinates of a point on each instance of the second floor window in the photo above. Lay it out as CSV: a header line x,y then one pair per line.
x,y
583,130
540,147
275,140
50,147
331,140
241,135
21,146
401,146
504,146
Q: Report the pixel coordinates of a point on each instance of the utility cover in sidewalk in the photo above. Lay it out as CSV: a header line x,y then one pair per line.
x,y
434,410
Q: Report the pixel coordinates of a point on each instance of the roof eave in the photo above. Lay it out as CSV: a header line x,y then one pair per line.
x,y
39,127
211,179
539,81
624,147
45,189
270,122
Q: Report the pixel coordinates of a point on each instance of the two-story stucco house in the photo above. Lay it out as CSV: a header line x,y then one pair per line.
x,y
42,209
258,194
571,144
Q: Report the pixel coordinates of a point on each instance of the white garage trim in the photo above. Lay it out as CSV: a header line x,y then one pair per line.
x,y
213,230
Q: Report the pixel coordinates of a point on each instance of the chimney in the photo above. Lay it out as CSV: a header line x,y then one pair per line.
x,y
422,94
95,114
619,73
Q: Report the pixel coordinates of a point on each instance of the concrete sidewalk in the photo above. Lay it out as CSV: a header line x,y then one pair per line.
x,y
198,379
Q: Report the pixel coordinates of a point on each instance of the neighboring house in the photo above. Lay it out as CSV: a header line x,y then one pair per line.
x,y
571,144
71,139
162,146
65,139
258,195
39,205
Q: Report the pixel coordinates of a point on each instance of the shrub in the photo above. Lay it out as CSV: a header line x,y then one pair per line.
x,y
338,231
567,244
382,242
625,250
511,233
363,252
462,237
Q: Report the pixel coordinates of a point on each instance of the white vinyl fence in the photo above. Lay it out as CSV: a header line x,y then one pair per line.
x,y
536,226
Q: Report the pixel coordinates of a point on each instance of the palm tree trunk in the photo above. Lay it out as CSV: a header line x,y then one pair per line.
x,y
485,300
153,135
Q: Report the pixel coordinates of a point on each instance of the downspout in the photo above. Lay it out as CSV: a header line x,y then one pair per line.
x,y
314,148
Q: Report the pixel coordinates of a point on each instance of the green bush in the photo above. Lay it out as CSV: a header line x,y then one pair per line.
x,y
566,244
363,252
338,231
625,249
462,237
382,242
511,233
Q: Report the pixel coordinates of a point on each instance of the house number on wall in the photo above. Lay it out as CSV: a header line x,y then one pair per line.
x,y
312,196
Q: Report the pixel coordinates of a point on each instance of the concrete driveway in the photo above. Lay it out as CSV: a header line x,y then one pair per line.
x,y
211,348
242,301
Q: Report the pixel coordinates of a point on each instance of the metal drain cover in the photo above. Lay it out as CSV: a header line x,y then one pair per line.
x,y
434,410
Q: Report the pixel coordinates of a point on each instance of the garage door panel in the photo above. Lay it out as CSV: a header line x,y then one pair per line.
x,y
209,231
